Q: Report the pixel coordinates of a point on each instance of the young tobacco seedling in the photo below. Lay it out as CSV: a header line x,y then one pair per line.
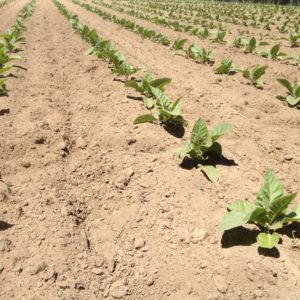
x,y
293,38
226,67
251,44
204,33
5,58
254,75
3,91
293,97
199,54
178,45
167,113
124,69
274,53
10,40
145,87
204,148
269,212
237,42
220,37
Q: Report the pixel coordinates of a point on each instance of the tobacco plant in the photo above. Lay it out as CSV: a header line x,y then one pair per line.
x,y
274,53
204,148
220,37
199,54
226,67
293,38
146,85
269,213
254,75
125,69
166,113
293,97
178,45
10,40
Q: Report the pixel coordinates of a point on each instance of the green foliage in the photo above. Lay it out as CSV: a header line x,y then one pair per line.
x,y
237,42
220,37
199,54
226,67
178,44
9,44
10,40
3,90
269,212
250,45
147,82
293,96
204,33
125,69
274,53
167,113
294,38
254,74
204,148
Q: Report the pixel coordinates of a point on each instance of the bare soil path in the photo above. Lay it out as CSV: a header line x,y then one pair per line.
x,y
93,207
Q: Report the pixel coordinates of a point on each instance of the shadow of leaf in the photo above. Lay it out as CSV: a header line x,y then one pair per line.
x,y
239,236
175,130
4,225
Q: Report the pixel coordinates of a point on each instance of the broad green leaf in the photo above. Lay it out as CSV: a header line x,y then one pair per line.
x,y
234,218
5,69
160,83
292,100
176,108
210,171
242,206
132,84
199,133
148,102
279,205
145,119
258,72
286,84
259,216
183,151
274,50
270,190
293,216
268,240
159,95
220,130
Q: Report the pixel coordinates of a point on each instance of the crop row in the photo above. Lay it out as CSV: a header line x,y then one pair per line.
x,y
248,43
2,3
203,56
9,44
269,212
264,17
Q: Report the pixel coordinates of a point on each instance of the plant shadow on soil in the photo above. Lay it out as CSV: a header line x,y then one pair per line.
x,y
189,163
242,236
177,131
137,98
4,225
4,111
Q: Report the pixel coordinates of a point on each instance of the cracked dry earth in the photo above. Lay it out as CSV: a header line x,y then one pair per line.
x,y
93,207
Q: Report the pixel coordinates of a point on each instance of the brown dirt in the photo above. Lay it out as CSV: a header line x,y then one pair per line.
x,y
93,207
